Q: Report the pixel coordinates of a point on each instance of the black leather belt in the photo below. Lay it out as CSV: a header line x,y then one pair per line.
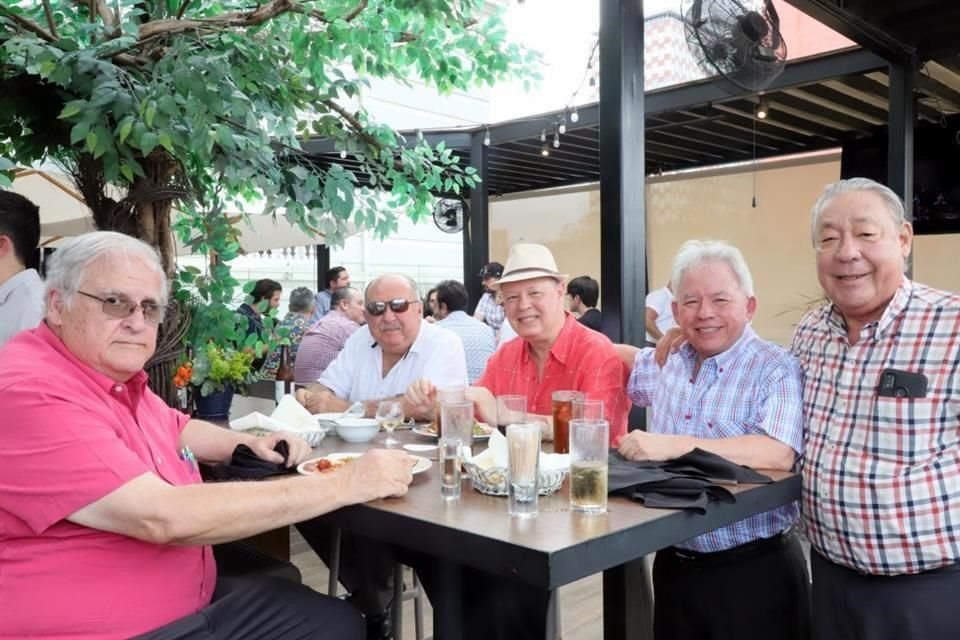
x,y
746,549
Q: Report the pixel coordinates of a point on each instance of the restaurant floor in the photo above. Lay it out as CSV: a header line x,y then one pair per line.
x,y
581,602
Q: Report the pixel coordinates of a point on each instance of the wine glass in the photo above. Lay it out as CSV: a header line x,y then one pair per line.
x,y
389,415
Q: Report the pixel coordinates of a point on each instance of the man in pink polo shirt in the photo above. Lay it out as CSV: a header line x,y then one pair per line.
x,y
104,526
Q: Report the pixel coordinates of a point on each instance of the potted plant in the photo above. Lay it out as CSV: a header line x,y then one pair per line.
x,y
216,373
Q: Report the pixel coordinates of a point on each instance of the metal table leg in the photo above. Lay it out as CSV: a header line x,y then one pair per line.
x,y
628,601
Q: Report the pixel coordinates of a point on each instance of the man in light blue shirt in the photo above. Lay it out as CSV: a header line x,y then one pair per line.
x,y
335,278
478,339
21,289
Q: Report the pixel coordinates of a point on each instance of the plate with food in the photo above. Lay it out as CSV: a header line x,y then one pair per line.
x,y
334,461
481,430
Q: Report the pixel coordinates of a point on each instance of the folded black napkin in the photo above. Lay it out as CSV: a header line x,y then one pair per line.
x,y
689,482
245,465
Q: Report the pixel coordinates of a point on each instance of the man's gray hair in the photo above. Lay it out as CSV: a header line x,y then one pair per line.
x,y
342,293
300,299
68,265
695,253
892,201
414,289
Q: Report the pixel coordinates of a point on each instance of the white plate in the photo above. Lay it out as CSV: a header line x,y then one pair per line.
x,y
428,433
420,464
328,417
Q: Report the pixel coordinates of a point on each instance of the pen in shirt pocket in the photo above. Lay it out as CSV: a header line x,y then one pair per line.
x,y
187,456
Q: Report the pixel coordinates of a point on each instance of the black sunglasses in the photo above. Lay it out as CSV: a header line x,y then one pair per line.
x,y
118,307
397,305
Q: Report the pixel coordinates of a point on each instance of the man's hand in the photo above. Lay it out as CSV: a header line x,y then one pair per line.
x,y
484,403
668,345
263,447
420,398
379,473
640,445
317,399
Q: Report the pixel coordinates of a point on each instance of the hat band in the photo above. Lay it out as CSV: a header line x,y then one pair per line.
x,y
515,272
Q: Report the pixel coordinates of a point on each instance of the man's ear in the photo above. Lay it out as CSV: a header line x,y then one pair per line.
x,y
6,246
54,308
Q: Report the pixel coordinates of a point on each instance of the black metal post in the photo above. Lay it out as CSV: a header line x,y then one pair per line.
x,y
323,265
901,118
476,231
623,251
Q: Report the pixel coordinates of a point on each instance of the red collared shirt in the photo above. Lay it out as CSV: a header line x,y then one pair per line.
x,y
580,360
71,436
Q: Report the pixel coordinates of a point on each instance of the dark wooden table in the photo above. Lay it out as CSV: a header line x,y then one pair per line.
x,y
557,547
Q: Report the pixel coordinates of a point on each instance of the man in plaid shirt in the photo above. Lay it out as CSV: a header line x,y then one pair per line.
x,y
731,393
881,474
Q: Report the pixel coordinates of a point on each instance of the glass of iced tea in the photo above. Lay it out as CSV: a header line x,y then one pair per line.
x,y
562,412
447,394
589,451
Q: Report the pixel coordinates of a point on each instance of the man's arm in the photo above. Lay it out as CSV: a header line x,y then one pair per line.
x,y
756,451
651,316
317,398
148,508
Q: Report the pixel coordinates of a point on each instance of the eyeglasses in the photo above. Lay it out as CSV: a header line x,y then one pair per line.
x,y
397,305
118,307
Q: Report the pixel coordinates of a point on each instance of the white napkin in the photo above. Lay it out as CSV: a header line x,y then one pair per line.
x,y
289,415
496,455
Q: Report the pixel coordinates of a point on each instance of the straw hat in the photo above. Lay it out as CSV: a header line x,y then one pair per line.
x,y
529,261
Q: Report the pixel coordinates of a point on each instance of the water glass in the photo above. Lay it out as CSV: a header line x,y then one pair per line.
x,y
523,468
458,420
562,412
589,451
450,463
448,394
389,416
586,409
511,410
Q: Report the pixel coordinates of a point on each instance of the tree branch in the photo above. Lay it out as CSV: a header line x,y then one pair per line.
x,y
357,10
49,13
183,9
253,18
28,24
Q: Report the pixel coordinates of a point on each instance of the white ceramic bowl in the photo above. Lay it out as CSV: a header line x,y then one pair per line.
x,y
357,429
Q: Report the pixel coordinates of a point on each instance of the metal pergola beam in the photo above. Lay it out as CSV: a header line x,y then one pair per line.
x,y
855,28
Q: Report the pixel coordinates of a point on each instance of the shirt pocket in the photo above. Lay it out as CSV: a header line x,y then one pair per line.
x,y
907,431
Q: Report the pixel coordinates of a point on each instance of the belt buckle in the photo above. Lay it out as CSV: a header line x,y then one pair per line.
x,y
684,555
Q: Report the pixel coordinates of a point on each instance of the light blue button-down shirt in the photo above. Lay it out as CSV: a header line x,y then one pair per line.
x,y
478,341
21,303
752,388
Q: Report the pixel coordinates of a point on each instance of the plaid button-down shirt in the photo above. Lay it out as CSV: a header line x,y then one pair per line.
x,y
881,476
752,388
493,313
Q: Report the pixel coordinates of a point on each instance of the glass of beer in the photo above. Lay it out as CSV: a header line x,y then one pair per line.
x,y
562,412
510,410
588,465
447,394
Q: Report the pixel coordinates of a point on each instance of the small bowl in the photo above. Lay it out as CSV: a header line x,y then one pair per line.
x,y
357,429
493,481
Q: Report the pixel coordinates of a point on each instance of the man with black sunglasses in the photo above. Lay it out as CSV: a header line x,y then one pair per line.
x,y
379,361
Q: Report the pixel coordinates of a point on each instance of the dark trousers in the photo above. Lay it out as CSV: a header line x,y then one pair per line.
x,y
759,590
366,565
851,606
249,608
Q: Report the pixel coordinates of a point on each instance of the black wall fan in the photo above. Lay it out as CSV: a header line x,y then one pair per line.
x,y
448,215
739,39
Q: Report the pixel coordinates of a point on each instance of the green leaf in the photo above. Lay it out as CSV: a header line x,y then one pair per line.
x,y
124,130
165,141
149,142
126,172
71,109
79,131
91,141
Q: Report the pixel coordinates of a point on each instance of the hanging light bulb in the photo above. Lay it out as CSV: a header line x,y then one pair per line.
x,y
486,137
763,109
343,154
574,117
544,150
543,135
419,134
556,140
563,125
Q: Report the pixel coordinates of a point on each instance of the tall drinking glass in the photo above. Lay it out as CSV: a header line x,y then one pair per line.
x,y
389,417
458,421
562,410
448,394
586,409
511,410
523,468
588,465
